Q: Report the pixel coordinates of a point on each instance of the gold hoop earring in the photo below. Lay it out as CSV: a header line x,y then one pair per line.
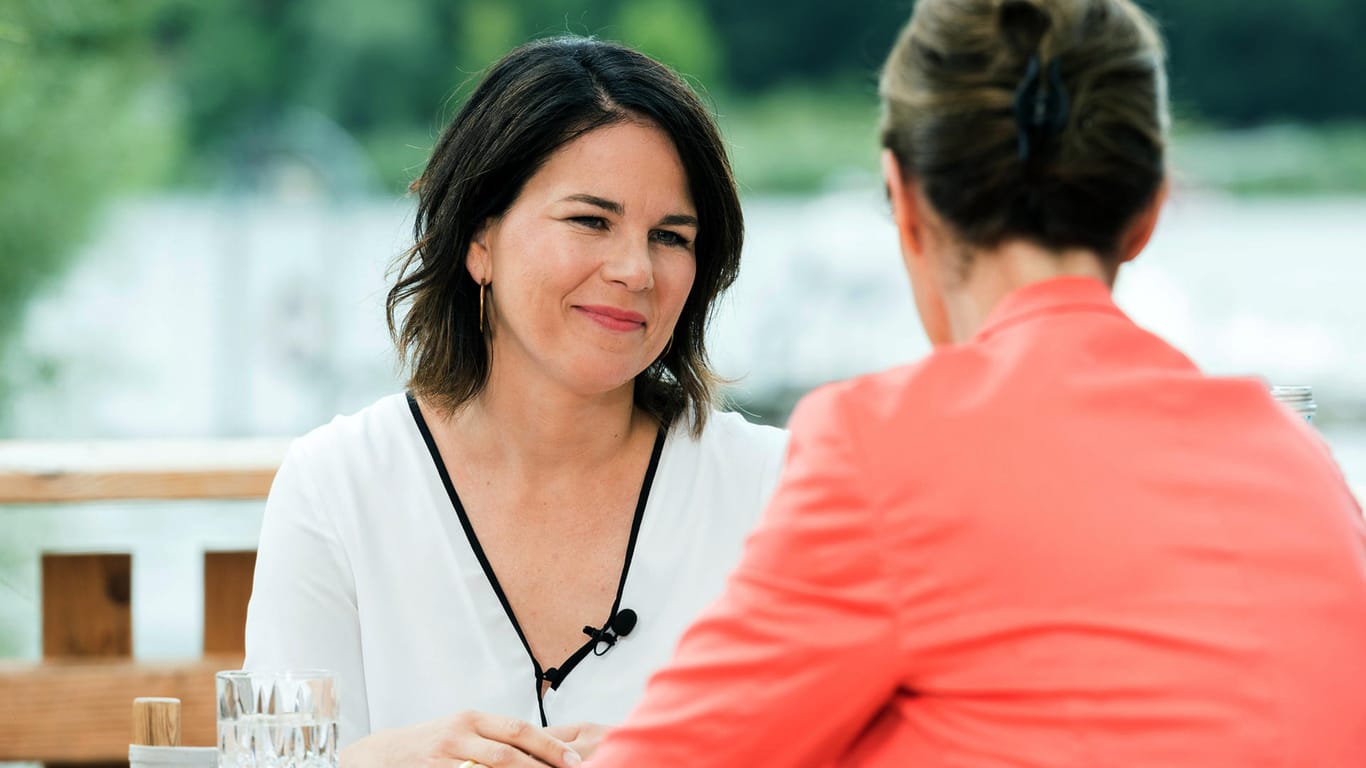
x,y
481,308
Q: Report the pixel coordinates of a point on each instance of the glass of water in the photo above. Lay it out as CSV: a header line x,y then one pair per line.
x,y
1299,398
277,719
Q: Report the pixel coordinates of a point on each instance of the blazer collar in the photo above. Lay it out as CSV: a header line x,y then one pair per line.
x,y
1058,294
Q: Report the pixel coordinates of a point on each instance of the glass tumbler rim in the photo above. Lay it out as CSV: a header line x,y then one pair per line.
x,y
276,674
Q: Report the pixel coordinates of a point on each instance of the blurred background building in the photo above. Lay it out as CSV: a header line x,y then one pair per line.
x,y
199,201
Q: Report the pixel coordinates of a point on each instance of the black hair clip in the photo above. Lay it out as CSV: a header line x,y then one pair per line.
x,y
1040,110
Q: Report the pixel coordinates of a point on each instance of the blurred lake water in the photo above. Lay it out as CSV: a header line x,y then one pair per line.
x,y
192,317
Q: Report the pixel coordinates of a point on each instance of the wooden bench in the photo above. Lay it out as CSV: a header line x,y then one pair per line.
x,y
74,706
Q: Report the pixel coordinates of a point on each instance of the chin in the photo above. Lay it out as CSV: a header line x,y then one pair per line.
x,y
599,375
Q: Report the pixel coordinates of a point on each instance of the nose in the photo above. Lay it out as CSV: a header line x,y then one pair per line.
x,y
630,267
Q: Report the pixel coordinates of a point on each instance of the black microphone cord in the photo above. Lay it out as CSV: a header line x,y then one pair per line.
x,y
600,641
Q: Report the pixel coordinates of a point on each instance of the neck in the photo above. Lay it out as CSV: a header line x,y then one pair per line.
x,y
537,430
995,273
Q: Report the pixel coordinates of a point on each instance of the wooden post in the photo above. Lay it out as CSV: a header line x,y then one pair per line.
x,y
227,590
88,611
87,606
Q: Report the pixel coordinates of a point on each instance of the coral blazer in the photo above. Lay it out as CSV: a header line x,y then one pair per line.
x,y
1058,545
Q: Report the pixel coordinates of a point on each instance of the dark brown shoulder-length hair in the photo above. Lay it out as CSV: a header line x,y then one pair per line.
x,y
531,102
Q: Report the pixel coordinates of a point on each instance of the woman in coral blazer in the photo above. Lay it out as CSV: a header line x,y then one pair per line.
x,y
1054,542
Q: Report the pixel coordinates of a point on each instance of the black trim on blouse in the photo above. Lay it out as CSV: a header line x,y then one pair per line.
x,y
555,675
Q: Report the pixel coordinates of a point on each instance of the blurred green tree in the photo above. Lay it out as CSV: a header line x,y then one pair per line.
x,y
767,43
1240,62
79,121
488,29
677,32
390,73
244,68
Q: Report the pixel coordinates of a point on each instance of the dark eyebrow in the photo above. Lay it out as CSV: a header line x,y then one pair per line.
x,y
606,205
672,220
679,219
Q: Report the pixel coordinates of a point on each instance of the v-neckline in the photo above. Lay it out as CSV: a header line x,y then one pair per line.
x,y
554,675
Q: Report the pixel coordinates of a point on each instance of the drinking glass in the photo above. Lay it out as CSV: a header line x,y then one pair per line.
x,y
277,719
1299,398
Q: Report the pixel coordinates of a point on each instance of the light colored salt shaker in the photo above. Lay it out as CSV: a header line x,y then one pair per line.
x,y
156,738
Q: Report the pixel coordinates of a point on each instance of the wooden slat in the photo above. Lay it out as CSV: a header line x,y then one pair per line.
x,y
87,606
55,471
58,472
81,711
87,611
227,588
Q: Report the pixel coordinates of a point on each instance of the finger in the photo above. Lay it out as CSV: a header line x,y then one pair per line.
x,y
496,754
583,738
565,733
527,738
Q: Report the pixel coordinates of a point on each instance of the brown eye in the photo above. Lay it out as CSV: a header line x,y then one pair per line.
x,y
669,238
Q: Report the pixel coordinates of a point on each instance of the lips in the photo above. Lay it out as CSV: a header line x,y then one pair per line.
x,y
613,318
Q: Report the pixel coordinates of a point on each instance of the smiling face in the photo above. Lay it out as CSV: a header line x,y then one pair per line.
x,y
590,266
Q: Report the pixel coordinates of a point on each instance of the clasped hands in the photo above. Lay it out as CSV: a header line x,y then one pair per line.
x,y
475,738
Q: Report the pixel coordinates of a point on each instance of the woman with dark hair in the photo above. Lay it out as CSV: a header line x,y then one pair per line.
x,y
519,540
1054,542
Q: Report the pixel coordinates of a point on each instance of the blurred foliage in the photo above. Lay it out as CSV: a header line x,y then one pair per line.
x,y
390,73
674,31
1246,62
243,67
796,140
769,43
99,95
78,123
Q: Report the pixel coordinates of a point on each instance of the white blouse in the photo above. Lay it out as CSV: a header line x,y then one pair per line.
x,y
365,567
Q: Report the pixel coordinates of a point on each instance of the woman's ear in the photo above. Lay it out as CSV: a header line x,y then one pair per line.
x,y
912,214
1141,229
479,259
905,204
